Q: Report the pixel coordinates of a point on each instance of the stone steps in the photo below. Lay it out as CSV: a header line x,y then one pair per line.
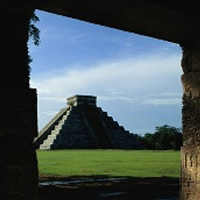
x,y
70,132
54,134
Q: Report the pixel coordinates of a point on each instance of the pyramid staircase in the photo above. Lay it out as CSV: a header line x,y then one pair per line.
x,y
83,125
49,142
49,128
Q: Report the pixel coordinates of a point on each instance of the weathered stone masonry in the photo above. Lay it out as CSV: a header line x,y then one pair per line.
x,y
191,122
18,106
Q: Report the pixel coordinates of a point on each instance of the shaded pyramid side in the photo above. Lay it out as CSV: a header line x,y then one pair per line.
x,y
121,138
97,128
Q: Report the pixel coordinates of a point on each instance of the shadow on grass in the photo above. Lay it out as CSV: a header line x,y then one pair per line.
x,y
106,187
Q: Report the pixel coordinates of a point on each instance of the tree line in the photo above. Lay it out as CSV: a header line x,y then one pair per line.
x,y
164,138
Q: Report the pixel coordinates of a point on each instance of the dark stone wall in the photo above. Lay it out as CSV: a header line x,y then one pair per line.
x,y
191,121
190,152
18,106
18,169
14,22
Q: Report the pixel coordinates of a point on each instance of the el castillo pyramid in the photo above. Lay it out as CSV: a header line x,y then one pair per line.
x,y
83,125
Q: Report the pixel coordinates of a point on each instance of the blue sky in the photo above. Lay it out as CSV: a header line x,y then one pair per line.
x,y
136,79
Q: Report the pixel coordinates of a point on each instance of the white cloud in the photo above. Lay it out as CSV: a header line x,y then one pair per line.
x,y
163,99
152,80
114,77
160,101
152,100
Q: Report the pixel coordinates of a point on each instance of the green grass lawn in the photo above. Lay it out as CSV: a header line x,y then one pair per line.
x,y
109,162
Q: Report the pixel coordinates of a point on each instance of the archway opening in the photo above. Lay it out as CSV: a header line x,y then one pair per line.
x,y
135,78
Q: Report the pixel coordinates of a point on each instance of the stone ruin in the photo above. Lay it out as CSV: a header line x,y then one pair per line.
x,y
83,125
174,21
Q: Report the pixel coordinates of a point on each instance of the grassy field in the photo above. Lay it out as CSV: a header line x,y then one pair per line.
x,y
109,162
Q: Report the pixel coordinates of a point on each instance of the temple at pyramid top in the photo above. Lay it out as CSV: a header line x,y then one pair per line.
x,y
81,100
83,125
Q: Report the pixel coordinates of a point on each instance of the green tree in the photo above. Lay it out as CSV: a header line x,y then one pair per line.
x,y
168,137
165,137
33,33
149,141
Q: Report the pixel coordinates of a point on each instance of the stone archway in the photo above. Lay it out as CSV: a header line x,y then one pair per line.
x,y
173,21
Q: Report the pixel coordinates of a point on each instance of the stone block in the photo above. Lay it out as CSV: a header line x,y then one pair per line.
x,y
18,116
18,169
190,180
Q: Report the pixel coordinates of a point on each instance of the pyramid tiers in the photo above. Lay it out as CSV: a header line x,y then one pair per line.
x,y
83,125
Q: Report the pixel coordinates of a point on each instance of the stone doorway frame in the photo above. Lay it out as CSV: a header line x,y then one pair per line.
x,y
177,22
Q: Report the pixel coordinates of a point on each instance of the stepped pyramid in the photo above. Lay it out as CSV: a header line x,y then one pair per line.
x,y
83,125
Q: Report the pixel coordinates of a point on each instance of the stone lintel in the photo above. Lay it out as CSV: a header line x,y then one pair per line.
x,y
81,100
151,18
